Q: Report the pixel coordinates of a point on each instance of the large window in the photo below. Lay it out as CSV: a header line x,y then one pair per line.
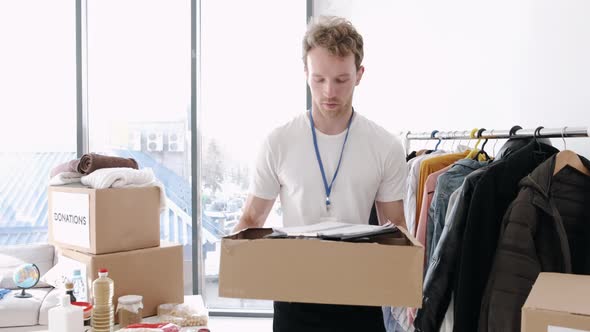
x,y
38,107
137,80
139,84
252,80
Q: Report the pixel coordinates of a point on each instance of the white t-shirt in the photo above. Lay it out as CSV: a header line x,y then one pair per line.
x,y
373,168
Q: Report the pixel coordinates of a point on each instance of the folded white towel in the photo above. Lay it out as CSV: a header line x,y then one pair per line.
x,y
65,178
124,177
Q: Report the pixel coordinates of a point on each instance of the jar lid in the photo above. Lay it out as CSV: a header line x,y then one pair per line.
x,y
130,299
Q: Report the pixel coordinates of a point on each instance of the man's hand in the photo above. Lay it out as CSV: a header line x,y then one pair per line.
x,y
255,213
392,211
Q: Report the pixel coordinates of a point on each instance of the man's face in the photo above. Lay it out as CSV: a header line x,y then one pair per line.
x,y
331,80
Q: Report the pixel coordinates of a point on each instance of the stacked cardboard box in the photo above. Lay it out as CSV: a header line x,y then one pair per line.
x,y
558,303
117,229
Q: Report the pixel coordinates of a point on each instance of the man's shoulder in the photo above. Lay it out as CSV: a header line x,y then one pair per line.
x,y
372,128
377,134
294,126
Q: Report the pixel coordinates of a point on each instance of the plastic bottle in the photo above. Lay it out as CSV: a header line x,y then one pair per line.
x,y
66,318
70,291
79,286
103,313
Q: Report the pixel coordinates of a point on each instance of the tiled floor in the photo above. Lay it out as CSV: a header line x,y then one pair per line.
x,y
216,324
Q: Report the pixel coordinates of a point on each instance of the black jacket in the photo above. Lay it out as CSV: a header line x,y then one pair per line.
x,y
492,195
546,229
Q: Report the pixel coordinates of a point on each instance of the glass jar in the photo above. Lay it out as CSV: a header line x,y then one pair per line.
x,y
129,309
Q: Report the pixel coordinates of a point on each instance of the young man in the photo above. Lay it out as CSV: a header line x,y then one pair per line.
x,y
329,163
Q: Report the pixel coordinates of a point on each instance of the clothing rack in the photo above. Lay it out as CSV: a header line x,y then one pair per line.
x,y
514,132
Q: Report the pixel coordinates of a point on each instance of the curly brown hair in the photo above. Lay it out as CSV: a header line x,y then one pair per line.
x,y
336,34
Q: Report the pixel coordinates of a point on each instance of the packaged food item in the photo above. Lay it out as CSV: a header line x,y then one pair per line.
x,y
190,313
158,327
166,308
129,309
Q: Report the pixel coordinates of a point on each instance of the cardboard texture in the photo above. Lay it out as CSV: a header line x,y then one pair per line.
x,y
100,221
557,303
316,271
154,273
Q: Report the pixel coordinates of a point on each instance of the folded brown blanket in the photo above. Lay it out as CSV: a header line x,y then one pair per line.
x,y
69,166
91,162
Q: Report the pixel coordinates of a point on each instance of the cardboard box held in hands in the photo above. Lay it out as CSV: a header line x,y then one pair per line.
x,y
387,272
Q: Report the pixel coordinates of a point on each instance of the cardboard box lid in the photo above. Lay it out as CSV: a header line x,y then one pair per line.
x,y
77,186
560,292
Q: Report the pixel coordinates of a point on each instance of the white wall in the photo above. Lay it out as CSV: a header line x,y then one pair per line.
x,y
461,64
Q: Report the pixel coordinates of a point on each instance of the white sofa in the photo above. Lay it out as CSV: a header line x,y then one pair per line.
x,y
31,311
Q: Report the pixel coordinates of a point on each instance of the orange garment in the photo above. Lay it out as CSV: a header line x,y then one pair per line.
x,y
429,166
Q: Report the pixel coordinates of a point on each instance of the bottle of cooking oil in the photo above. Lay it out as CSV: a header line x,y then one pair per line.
x,y
103,310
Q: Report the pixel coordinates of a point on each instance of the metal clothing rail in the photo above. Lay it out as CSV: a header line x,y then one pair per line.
x,y
515,132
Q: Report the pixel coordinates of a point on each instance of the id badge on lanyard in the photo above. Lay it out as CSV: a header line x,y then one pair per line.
x,y
327,213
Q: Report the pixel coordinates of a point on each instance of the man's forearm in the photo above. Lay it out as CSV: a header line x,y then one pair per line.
x,y
246,222
391,211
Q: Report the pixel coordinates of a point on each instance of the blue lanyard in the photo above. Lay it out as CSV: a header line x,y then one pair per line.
x,y
319,158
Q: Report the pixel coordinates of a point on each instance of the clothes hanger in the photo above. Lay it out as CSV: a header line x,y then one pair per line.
x,y
512,144
536,137
432,135
443,144
459,147
539,153
418,150
482,151
483,146
424,149
474,151
568,157
473,136
513,130
495,143
409,143
467,140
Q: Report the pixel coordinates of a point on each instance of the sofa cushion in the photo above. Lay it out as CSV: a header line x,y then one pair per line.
x,y
63,271
22,312
51,301
12,257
